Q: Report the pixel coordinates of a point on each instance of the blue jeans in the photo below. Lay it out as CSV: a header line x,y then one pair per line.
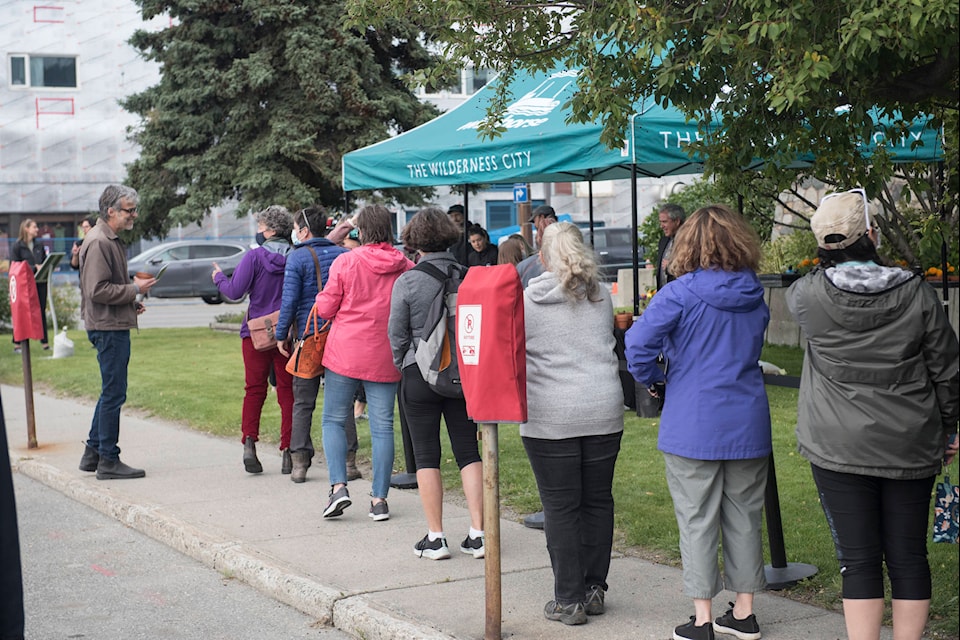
x,y
113,354
338,392
575,479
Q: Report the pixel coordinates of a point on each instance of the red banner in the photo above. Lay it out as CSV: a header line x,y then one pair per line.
x,y
24,303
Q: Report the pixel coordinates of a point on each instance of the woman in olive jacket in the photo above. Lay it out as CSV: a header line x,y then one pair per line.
x,y
878,410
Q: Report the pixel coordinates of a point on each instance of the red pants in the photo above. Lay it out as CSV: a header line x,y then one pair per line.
x,y
256,367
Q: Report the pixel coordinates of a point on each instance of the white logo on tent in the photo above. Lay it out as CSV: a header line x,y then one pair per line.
x,y
530,110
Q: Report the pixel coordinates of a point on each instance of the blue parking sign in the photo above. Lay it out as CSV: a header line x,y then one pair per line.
x,y
520,194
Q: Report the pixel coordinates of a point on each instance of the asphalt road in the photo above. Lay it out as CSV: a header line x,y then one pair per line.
x,y
183,312
88,576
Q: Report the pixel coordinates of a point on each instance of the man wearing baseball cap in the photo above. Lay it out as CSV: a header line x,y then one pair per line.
x,y
531,267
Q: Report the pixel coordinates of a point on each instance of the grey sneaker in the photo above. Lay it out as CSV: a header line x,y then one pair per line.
x,y
594,602
746,629
473,546
379,511
338,502
565,613
433,549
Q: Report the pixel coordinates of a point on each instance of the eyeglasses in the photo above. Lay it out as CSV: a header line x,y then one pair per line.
x,y
306,223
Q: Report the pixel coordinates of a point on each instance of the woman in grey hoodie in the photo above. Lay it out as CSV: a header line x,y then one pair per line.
x,y
575,419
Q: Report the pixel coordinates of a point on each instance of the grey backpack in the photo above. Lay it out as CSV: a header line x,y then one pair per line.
x,y
436,349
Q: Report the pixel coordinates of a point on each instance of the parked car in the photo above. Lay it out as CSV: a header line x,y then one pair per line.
x,y
189,264
614,250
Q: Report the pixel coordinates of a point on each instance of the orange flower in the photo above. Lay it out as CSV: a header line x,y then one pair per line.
x,y
816,261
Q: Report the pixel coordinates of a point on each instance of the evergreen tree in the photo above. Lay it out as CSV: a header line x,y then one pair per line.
x,y
257,102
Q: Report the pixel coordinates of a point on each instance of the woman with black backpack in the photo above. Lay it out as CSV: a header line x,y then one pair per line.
x,y
430,232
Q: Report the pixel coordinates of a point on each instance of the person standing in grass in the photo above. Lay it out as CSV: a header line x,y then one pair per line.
x,y
715,427
572,437
357,298
878,410
429,233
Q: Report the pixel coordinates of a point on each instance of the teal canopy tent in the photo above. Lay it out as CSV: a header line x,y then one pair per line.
x,y
539,145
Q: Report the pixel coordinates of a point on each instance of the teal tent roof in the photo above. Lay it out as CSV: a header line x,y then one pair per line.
x,y
539,145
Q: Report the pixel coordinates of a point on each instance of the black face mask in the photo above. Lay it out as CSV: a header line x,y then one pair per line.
x,y
260,238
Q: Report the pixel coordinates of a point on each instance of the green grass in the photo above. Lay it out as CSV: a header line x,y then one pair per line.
x,y
195,376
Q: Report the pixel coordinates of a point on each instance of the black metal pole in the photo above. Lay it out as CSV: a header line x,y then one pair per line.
x,y
634,241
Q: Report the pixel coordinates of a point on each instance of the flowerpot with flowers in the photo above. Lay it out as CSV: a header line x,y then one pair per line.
x,y
935,274
623,318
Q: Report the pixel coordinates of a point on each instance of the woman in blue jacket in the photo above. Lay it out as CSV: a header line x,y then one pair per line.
x,y
715,426
299,292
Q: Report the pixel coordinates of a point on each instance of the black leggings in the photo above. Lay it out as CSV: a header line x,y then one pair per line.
x,y
875,520
423,408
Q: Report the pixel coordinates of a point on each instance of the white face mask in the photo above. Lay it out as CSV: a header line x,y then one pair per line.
x,y
293,237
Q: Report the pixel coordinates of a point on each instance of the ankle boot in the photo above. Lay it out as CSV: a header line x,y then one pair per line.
x,y
250,461
301,462
352,472
117,470
90,458
286,464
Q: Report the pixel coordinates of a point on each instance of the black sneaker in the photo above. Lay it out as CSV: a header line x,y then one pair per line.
x,y
594,602
379,511
338,502
473,546
690,631
433,549
746,629
565,613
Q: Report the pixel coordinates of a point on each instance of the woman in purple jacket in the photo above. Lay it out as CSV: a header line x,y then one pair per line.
x,y
260,274
715,426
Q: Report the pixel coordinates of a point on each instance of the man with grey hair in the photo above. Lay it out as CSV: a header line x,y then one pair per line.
x,y
671,216
109,306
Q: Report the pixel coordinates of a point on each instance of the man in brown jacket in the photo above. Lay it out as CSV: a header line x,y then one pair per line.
x,y
109,308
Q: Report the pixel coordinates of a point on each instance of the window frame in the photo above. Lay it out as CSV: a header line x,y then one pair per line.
x,y
27,74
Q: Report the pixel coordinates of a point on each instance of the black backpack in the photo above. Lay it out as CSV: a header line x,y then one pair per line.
x,y
436,349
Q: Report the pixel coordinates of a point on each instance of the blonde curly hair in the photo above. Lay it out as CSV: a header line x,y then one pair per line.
x,y
563,252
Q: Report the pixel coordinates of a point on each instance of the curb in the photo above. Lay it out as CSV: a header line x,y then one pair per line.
x,y
352,614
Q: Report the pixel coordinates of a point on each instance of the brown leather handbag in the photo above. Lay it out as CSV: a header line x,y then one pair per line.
x,y
263,330
306,361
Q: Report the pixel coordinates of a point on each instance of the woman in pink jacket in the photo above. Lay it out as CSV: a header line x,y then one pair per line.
x,y
357,298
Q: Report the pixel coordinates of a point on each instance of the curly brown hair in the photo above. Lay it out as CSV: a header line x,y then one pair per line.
x,y
714,237
430,230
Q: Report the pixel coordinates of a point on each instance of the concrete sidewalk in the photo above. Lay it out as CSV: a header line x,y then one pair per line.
x,y
358,575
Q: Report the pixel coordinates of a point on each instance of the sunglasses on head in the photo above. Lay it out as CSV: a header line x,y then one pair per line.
x,y
866,208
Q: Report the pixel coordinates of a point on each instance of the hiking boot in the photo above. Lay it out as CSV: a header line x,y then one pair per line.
x,y
433,549
250,461
379,511
116,470
338,502
90,458
286,462
565,613
690,631
594,602
473,546
746,629
352,472
300,461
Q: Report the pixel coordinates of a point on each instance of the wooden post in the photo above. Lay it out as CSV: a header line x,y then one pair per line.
x,y
28,395
491,530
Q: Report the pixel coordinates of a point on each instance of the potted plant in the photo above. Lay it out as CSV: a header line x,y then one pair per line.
x,y
623,317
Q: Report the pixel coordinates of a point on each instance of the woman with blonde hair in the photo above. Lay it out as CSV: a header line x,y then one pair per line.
x,y
572,439
715,427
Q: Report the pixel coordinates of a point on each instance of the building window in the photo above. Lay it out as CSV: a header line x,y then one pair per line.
x,y
43,71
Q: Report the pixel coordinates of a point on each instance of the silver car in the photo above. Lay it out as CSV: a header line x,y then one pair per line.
x,y
187,265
